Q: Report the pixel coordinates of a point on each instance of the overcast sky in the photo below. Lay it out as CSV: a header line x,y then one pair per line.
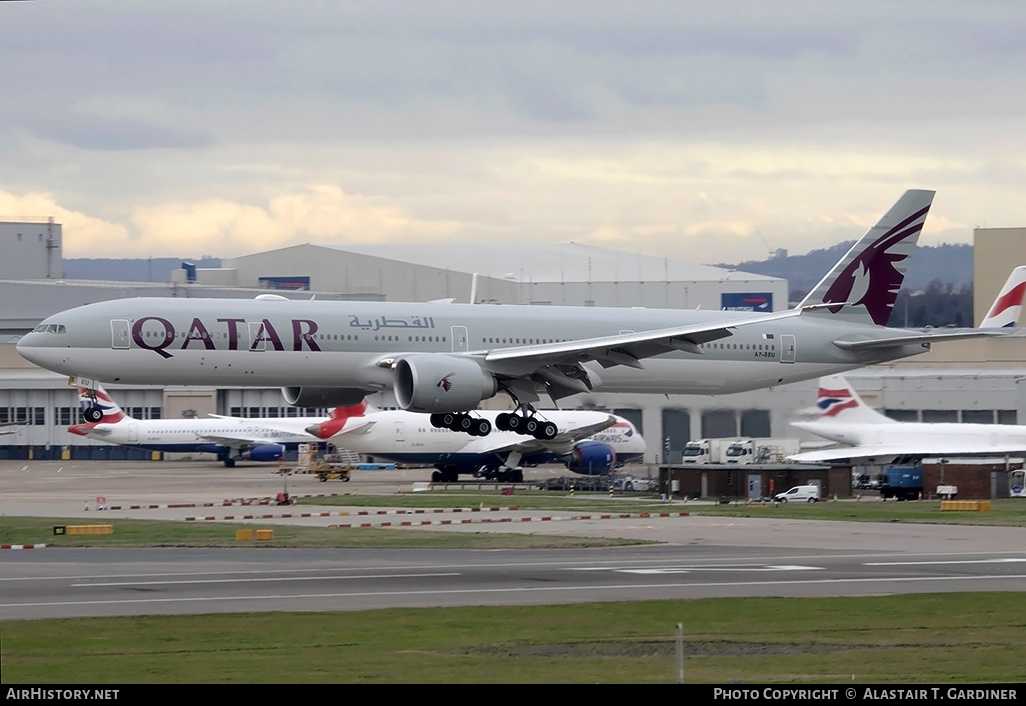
x,y
702,131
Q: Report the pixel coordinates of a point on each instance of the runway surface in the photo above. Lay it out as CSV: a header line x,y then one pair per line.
x,y
700,557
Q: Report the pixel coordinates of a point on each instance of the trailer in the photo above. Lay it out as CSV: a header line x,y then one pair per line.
x,y
760,451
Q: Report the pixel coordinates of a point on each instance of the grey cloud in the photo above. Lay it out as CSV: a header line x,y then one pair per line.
x,y
94,133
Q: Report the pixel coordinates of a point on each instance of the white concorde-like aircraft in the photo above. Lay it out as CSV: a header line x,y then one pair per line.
x,y
445,358
865,433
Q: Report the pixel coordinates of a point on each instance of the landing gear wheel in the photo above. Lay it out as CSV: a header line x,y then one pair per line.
x,y
502,421
436,476
546,431
437,422
531,426
514,422
93,414
481,427
229,463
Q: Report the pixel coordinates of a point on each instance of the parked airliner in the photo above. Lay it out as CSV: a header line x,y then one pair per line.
x,y
865,433
231,439
445,358
589,443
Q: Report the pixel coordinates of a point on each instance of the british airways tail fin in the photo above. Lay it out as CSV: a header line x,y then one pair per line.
x,y
838,403
99,398
336,420
1004,312
865,282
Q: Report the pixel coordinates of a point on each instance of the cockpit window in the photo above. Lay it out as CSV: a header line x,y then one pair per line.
x,y
50,328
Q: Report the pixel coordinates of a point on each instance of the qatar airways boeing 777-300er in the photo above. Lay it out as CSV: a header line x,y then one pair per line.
x,y
444,358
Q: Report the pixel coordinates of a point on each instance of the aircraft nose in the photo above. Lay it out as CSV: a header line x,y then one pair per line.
x,y
43,356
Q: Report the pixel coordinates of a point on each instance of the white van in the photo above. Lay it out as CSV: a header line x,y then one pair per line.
x,y
799,494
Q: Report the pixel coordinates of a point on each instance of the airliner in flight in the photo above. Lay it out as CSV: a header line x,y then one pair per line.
x,y
445,358
865,433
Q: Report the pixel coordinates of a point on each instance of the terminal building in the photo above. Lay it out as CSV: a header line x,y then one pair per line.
x,y
979,380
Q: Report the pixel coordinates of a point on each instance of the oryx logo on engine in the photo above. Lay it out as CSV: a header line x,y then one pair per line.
x,y
445,383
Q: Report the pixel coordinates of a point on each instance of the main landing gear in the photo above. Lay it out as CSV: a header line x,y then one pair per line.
x,y
461,421
527,425
519,422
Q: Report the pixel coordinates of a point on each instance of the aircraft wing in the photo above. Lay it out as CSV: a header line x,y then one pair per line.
x,y
240,439
563,442
629,348
918,338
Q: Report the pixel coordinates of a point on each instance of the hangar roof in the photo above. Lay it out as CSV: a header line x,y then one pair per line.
x,y
549,262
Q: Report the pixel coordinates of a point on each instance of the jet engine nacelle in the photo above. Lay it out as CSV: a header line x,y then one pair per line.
x,y
436,383
592,458
264,452
323,396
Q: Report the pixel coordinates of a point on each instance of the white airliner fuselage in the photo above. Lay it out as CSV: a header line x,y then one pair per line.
x,y
865,433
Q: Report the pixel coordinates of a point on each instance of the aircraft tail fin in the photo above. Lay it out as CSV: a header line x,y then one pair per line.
x,y
337,420
838,402
1004,312
864,283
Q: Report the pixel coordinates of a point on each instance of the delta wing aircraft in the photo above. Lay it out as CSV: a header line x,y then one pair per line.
x,y
865,433
231,439
445,358
589,443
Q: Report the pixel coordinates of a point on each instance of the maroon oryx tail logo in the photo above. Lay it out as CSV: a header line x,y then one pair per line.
x,y
445,383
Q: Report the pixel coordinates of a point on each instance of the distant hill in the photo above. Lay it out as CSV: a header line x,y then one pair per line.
x,y
950,265
154,269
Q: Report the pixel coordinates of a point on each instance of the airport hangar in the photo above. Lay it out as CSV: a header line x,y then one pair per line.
x,y
964,381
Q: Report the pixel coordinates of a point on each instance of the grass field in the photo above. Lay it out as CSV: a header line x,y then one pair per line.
x,y
935,638
930,638
157,533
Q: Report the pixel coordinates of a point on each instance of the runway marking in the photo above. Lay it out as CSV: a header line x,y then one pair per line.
x,y
689,569
1008,560
526,589
253,580
597,565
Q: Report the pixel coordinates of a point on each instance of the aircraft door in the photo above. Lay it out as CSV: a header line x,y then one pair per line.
x,y
787,348
754,486
400,433
460,340
257,340
119,336
133,433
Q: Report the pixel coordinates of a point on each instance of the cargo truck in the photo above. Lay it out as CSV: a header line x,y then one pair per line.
x,y
706,450
746,451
